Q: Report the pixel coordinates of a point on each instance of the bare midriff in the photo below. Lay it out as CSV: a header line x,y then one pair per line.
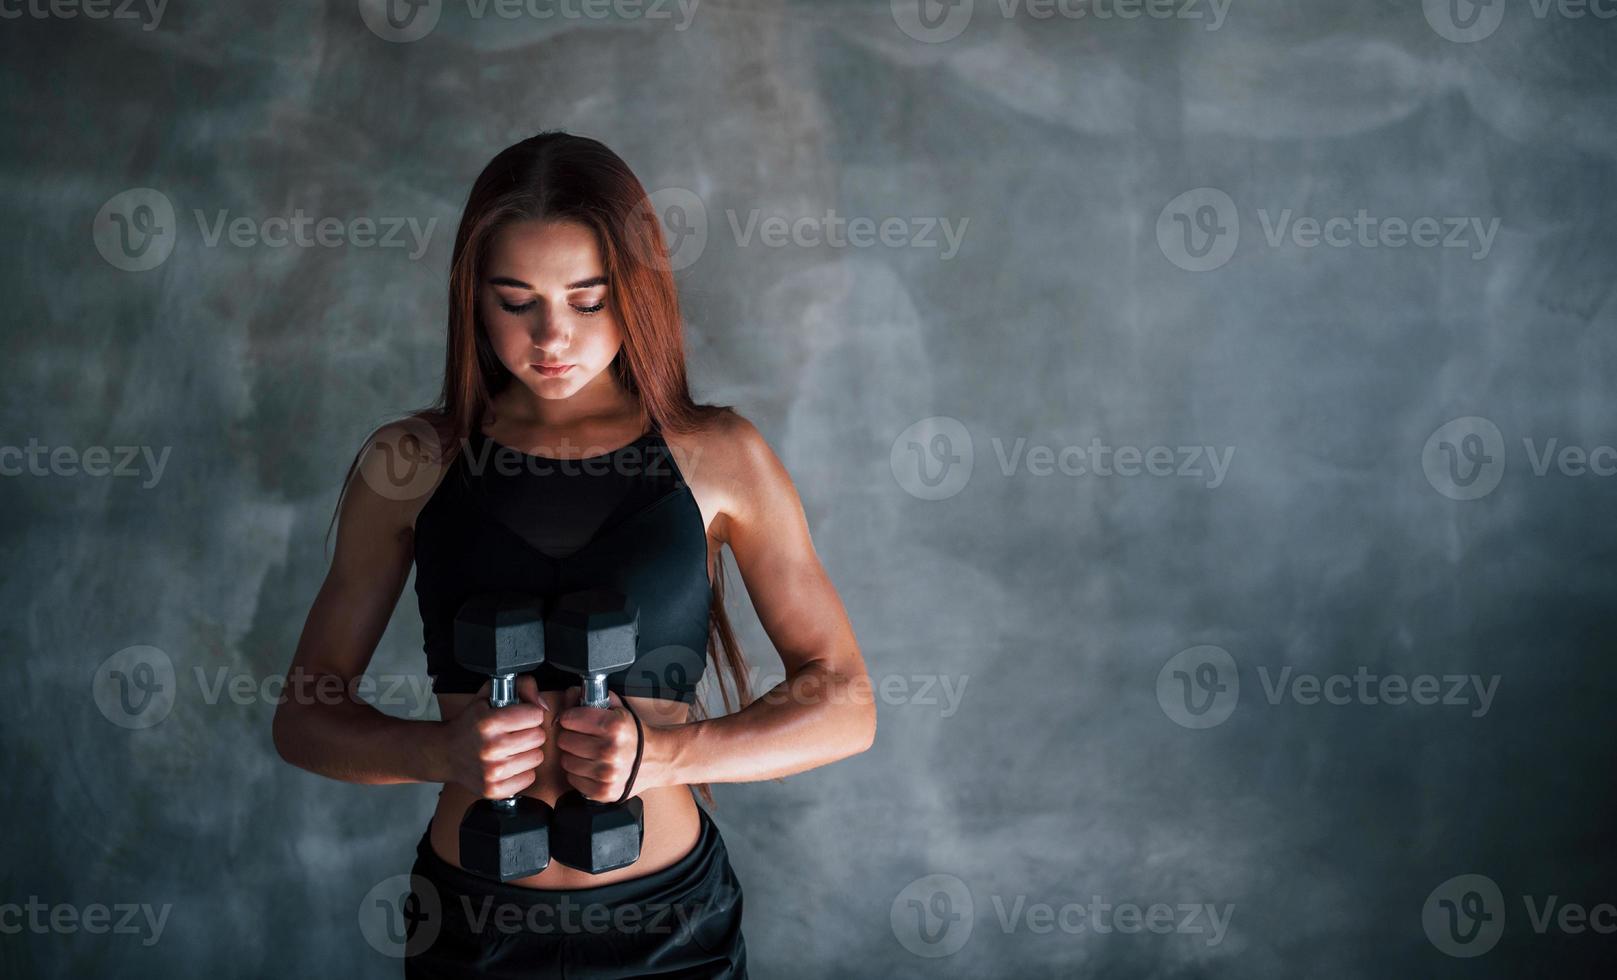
x,y
672,822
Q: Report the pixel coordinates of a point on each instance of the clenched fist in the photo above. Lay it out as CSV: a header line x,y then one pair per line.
x,y
597,747
494,752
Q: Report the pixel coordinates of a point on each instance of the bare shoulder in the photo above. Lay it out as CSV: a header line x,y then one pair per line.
x,y
398,469
730,467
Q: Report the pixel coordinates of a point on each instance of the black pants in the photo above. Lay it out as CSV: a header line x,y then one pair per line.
x,y
681,922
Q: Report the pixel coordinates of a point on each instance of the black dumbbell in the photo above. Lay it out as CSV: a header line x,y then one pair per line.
x,y
591,634
501,636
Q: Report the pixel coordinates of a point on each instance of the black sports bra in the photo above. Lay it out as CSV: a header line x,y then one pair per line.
x,y
502,520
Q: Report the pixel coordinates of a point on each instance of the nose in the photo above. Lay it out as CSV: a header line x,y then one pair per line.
x,y
550,334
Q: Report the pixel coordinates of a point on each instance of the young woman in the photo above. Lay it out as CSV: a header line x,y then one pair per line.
x,y
566,453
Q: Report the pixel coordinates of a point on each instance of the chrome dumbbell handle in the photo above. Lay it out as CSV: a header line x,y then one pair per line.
x,y
595,691
502,691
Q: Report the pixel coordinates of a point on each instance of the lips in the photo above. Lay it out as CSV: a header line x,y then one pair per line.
x,y
552,370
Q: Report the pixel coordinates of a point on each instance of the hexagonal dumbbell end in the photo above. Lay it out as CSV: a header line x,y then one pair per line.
x,y
593,633
500,634
506,839
596,837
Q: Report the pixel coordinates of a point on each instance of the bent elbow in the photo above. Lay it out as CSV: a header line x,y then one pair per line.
x,y
281,727
865,730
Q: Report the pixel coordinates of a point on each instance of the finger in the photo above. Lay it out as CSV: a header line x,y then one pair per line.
x,y
518,765
583,746
528,689
591,721
511,718
512,786
589,768
516,742
591,785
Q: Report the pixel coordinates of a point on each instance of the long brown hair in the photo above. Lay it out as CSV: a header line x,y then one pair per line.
x,y
556,176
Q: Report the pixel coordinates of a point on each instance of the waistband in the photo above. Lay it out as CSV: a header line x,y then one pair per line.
x,y
666,885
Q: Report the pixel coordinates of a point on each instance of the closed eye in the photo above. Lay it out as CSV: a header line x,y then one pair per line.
x,y
525,307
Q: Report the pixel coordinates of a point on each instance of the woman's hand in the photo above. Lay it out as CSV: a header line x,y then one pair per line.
x,y
597,747
494,752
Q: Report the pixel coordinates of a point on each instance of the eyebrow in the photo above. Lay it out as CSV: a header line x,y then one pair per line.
x,y
519,284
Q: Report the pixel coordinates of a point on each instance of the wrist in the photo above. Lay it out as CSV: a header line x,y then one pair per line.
x,y
664,760
432,752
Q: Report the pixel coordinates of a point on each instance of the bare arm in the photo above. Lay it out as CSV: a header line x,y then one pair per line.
x,y
321,727
341,736
823,711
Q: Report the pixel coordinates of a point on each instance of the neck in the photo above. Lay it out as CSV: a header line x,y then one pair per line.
x,y
602,399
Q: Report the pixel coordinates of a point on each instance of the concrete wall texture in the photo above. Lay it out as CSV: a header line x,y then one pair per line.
x,y
1203,408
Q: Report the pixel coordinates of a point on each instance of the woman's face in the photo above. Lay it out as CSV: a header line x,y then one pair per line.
x,y
544,305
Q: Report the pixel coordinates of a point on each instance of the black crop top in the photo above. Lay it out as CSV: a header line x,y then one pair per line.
x,y
502,520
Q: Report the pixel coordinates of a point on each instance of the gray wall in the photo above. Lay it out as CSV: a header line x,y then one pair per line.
x,y
1070,611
